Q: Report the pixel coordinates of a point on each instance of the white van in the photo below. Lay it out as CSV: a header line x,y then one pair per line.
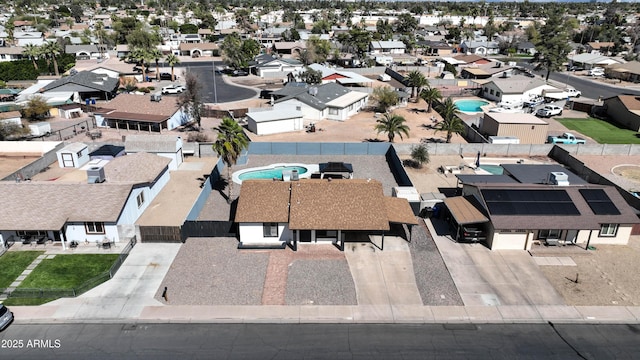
x,y
596,71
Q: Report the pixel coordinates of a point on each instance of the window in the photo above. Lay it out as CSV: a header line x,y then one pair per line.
x,y
608,230
326,233
270,229
491,91
498,93
299,108
140,199
549,234
350,107
94,227
333,111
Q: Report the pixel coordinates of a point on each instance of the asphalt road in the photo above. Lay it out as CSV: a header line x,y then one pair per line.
x,y
319,341
590,89
216,91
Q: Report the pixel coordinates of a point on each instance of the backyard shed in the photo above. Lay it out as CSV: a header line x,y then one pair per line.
x,y
107,152
528,128
275,121
73,155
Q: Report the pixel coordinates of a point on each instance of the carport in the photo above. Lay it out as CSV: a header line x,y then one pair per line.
x,y
463,212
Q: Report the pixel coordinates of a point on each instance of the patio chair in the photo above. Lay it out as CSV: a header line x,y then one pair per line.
x,y
26,241
41,241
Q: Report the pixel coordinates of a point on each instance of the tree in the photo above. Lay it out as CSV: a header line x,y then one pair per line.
x,y
188,29
392,125
385,96
451,123
420,154
230,143
236,52
191,99
553,47
416,80
156,55
430,95
142,56
32,52
53,50
172,60
406,23
311,76
36,109
11,130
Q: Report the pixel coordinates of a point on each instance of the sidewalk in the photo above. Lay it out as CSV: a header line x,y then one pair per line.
x,y
129,297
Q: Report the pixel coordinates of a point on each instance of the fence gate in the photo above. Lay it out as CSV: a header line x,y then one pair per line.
x,y
160,234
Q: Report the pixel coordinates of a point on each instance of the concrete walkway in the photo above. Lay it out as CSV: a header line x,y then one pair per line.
x,y
23,275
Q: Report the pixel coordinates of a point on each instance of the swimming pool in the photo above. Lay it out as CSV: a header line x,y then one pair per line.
x,y
470,105
273,171
493,169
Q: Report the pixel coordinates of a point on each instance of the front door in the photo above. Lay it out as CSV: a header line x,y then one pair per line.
x,y
305,235
572,235
67,160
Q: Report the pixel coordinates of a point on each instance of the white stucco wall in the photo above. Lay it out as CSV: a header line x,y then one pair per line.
x,y
178,119
308,112
275,127
621,238
76,231
252,233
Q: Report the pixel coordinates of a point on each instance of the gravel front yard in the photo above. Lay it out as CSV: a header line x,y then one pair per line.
x,y
606,276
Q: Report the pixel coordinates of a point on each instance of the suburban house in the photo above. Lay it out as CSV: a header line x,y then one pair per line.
x,y
267,64
480,47
434,48
627,72
168,146
387,47
195,49
588,61
540,203
340,76
275,213
11,53
101,211
23,38
526,47
289,47
84,85
141,113
461,61
86,52
526,127
327,101
486,71
514,89
624,110
600,48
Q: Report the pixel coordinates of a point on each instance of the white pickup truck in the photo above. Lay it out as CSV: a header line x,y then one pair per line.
x,y
566,138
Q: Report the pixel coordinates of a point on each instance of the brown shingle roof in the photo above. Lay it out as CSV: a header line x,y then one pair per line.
x,y
142,104
631,102
199,46
47,205
263,201
399,211
463,211
135,168
120,115
338,205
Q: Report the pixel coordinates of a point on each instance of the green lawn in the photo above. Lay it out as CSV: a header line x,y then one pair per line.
x,y
601,131
13,264
68,271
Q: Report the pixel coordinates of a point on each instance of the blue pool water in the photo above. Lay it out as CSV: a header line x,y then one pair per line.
x,y
270,173
493,169
470,105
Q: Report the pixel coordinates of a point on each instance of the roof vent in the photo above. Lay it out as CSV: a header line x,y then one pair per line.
x,y
558,178
313,91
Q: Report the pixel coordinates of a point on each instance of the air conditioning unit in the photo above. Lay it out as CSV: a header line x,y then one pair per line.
x,y
558,178
95,174
156,97
294,175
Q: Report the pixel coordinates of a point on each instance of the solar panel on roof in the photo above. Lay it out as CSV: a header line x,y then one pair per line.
x,y
599,202
529,202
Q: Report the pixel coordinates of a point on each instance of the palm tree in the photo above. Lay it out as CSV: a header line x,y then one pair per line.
x,y
420,154
229,145
52,49
32,52
430,95
450,123
156,55
142,56
392,124
172,60
416,80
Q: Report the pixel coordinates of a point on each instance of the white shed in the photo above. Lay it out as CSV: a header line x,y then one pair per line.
x,y
73,155
275,121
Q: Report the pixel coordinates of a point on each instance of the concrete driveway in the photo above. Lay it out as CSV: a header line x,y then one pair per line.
x,y
490,278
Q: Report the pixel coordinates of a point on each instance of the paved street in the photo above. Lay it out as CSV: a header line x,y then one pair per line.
x,y
217,90
320,341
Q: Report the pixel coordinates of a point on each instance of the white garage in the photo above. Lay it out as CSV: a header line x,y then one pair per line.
x,y
275,121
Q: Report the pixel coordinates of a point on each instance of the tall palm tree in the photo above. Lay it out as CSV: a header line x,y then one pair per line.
x,y
172,60
392,124
32,52
230,143
141,56
430,95
416,80
156,55
53,50
451,123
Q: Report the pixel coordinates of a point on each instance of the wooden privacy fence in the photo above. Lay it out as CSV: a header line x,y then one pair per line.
x,y
175,234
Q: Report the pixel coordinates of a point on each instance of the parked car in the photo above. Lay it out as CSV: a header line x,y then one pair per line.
x,y
6,317
472,234
173,89
167,76
596,71
240,73
549,111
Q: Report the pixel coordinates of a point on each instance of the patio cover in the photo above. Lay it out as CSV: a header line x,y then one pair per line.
x,y
463,211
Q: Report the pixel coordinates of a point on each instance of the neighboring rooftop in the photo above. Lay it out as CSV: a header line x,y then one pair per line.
x,y
136,168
